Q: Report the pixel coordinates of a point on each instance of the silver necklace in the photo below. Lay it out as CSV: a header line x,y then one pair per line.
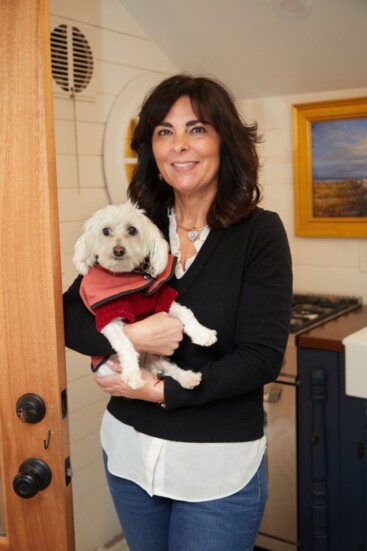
x,y
192,233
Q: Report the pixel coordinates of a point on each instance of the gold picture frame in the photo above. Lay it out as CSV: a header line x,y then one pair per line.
x,y
330,168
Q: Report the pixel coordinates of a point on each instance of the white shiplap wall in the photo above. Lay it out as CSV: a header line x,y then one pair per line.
x,y
121,52
320,264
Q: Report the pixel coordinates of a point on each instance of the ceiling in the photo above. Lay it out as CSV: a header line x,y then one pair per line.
x,y
256,48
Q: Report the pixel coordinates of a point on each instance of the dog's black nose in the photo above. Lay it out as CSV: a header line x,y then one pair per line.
x,y
118,251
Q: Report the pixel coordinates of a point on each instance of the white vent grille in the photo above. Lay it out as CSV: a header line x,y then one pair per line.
x,y
72,61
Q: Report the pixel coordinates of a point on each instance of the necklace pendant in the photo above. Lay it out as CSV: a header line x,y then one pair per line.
x,y
192,234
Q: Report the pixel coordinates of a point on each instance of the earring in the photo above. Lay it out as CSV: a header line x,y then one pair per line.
x,y
160,177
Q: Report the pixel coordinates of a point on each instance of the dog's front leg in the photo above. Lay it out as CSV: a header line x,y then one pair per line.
x,y
128,356
187,378
199,334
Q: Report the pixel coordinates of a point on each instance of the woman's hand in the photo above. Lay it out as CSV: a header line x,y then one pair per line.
x,y
152,391
157,334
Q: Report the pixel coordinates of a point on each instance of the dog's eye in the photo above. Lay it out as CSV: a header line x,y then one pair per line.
x,y
131,230
106,231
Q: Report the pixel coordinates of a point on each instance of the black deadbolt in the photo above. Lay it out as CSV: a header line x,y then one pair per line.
x,y
31,408
34,475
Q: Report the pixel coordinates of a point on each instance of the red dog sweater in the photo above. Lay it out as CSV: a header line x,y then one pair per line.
x,y
130,296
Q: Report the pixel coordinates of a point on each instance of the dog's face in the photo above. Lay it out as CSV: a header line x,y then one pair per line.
x,y
120,238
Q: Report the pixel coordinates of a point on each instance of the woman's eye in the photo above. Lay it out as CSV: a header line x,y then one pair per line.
x,y
131,230
163,132
198,129
106,231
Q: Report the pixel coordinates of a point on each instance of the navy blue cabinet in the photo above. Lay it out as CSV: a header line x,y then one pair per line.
x,y
332,450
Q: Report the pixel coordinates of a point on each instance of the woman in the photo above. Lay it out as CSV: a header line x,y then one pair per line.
x,y
190,476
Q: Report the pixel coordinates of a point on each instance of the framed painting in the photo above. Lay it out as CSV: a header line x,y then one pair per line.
x,y
330,168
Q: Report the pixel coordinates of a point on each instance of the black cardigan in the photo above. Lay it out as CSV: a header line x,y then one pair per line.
x,y
241,285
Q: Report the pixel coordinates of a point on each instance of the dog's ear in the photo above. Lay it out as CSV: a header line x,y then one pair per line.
x,y
84,256
156,248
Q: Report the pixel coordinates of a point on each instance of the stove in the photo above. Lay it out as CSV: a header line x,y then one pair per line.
x,y
309,310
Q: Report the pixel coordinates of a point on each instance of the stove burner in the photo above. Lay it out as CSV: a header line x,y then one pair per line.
x,y
310,310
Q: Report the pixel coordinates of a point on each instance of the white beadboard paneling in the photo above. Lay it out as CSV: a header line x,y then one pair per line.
x,y
277,143
117,48
78,366
268,113
347,257
87,169
69,233
98,531
89,479
91,171
277,197
86,451
110,77
65,137
69,271
75,206
63,109
100,13
92,505
330,280
288,221
90,138
276,170
83,392
67,171
84,422
96,111
86,111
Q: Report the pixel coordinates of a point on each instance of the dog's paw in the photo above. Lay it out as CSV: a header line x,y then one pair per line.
x,y
190,379
132,380
204,337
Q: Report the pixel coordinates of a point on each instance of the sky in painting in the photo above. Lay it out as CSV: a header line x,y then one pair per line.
x,y
339,149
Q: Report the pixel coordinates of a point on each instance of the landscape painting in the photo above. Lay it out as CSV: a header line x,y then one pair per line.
x,y
339,168
330,168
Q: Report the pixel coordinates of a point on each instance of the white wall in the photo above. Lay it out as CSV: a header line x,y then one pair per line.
x,y
121,52
320,264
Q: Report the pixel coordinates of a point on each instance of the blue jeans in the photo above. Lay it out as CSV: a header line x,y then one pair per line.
x,y
163,524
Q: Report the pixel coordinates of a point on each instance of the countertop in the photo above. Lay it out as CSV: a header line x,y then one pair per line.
x,y
330,335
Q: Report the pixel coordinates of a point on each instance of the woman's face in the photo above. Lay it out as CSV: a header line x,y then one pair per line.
x,y
187,151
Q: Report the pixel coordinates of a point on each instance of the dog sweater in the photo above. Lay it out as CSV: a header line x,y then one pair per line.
x,y
129,296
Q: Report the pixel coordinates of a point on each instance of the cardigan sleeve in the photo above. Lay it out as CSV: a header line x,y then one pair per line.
x,y
81,333
262,322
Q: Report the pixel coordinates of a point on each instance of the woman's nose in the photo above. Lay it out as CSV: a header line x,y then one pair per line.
x,y
180,142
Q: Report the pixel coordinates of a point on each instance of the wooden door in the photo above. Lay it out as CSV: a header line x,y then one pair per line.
x,y
31,337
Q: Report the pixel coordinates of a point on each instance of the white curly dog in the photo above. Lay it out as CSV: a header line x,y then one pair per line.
x,y
118,240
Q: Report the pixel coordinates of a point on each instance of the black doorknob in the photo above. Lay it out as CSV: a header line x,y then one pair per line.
x,y
31,408
34,475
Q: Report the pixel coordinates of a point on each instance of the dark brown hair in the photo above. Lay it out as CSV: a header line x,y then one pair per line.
x,y
238,189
